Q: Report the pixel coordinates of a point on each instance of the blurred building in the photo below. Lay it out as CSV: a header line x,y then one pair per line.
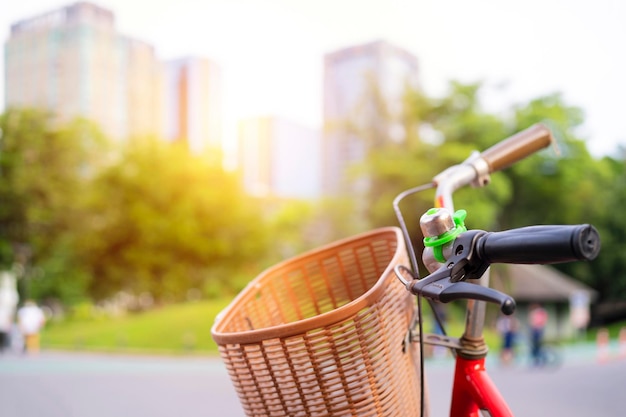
x,y
364,87
74,62
192,103
279,158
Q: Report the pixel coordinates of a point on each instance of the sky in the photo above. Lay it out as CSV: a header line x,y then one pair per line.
x,y
271,51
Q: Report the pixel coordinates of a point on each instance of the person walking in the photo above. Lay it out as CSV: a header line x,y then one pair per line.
x,y
508,327
30,319
537,318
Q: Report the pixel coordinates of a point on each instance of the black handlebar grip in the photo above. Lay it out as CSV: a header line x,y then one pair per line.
x,y
540,245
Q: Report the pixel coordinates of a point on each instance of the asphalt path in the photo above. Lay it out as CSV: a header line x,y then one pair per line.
x,y
58,384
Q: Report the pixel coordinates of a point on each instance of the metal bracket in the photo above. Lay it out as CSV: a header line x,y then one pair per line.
x,y
437,340
482,169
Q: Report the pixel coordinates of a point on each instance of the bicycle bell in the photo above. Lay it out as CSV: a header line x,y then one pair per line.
x,y
440,228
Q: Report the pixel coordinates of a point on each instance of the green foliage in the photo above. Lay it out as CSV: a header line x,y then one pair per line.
x,y
165,221
290,220
44,172
79,219
551,187
608,273
82,220
567,187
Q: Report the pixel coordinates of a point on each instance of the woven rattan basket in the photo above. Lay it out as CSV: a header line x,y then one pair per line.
x,y
322,334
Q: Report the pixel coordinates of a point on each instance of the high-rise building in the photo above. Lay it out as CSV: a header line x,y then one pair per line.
x,y
192,100
279,158
364,87
74,62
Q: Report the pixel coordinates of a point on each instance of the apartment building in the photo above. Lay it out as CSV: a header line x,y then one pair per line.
x,y
193,103
279,158
75,63
364,86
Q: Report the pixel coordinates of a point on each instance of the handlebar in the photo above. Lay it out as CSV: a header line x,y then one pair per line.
x,y
540,245
476,169
473,251
529,245
517,147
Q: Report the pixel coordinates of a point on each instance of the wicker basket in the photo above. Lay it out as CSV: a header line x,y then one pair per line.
x,y
322,334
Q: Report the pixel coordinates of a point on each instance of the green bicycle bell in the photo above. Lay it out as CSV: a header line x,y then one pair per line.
x,y
440,228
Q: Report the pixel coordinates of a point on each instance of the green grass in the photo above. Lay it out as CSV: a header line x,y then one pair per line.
x,y
175,329
184,328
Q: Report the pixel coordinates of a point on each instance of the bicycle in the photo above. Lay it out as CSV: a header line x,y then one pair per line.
x,y
331,332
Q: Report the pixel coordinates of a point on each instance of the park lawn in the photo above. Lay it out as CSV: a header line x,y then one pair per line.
x,y
183,328
175,329
186,329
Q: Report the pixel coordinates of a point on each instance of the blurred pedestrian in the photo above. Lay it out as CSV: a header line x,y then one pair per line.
x,y
507,326
8,303
537,319
30,319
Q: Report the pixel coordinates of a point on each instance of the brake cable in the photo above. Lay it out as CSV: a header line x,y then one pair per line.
x,y
415,275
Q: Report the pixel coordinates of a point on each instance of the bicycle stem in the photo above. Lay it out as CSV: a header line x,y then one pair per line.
x,y
475,171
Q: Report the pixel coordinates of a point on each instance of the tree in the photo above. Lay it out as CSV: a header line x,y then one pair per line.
x,y
45,169
165,222
606,274
559,185
437,133
547,188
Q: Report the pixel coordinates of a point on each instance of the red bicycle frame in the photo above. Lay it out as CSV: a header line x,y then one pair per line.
x,y
473,390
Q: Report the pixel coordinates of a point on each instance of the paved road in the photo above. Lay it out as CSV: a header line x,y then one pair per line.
x,y
90,385
576,389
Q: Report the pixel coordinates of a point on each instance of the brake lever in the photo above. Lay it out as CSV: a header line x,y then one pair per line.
x,y
447,283
439,286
